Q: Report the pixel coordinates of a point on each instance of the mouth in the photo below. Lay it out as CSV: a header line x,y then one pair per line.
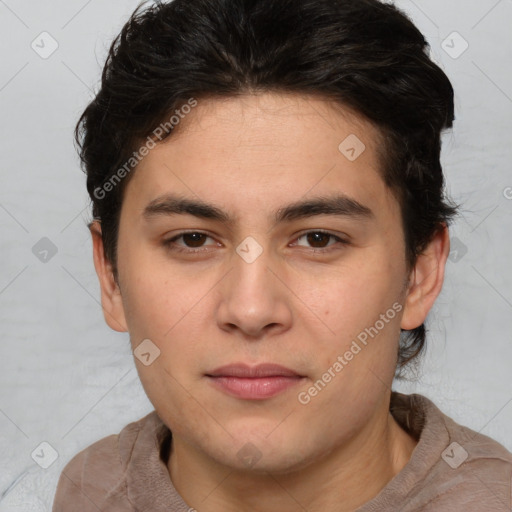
x,y
253,382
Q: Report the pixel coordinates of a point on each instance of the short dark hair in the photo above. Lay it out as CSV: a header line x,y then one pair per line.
x,y
365,55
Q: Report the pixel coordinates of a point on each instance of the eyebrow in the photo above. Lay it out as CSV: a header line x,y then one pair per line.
x,y
336,205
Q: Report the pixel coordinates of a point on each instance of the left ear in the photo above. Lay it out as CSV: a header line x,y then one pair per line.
x,y
426,280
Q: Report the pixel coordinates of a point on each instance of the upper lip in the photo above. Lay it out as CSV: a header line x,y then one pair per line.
x,y
260,370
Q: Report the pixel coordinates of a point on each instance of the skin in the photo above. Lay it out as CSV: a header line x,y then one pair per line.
x,y
250,156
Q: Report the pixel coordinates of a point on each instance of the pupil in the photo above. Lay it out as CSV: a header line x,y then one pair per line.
x,y
195,242
317,237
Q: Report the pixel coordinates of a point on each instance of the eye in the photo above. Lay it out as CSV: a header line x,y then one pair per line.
x,y
193,242
320,239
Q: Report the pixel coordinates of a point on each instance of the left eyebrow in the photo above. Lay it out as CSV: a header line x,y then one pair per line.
x,y
337,205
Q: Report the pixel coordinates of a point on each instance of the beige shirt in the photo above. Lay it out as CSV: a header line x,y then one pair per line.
x,y
452,468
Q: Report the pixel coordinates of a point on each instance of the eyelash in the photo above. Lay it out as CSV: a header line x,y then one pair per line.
x,y
170,243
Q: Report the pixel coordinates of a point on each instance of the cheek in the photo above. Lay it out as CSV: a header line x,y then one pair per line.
x,y
159,296
361,293
363,307
177,402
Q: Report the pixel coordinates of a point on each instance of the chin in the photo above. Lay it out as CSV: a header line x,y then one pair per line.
x,y
263,453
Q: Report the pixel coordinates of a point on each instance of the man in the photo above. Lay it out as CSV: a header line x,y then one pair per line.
x,y
270,227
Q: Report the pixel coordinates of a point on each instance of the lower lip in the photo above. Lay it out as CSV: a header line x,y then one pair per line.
x,y
254,388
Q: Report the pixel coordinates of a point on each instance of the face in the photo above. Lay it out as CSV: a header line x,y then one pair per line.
x,y
255,278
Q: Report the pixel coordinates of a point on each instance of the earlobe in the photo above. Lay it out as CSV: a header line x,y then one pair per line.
x,y
111,299
426,280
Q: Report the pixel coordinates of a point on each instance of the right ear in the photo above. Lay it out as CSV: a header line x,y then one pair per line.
x,y
111,299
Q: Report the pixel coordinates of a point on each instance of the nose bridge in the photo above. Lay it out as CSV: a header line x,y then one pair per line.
x,y
251,277
251,296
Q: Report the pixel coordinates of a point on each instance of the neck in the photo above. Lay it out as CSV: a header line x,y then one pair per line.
x,y
341,481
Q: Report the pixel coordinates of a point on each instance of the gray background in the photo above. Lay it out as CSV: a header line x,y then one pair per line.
x,y
68,380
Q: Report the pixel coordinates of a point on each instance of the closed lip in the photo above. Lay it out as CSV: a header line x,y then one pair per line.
x,y
242,370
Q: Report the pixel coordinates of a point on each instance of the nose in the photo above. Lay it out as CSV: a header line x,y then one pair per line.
x,y
254,298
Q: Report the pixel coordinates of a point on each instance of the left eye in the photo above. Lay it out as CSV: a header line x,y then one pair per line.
x,y
320,237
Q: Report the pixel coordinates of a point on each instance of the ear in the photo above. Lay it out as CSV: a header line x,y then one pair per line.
x,y
426,280
111,300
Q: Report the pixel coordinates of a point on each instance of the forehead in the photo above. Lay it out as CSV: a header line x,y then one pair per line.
x,y
276,119
286,145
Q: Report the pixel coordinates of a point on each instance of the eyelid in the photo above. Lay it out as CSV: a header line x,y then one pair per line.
x,y
338,236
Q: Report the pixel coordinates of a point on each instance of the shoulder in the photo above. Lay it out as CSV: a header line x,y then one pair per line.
x,y
469,448
469,470
480,466
95,478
